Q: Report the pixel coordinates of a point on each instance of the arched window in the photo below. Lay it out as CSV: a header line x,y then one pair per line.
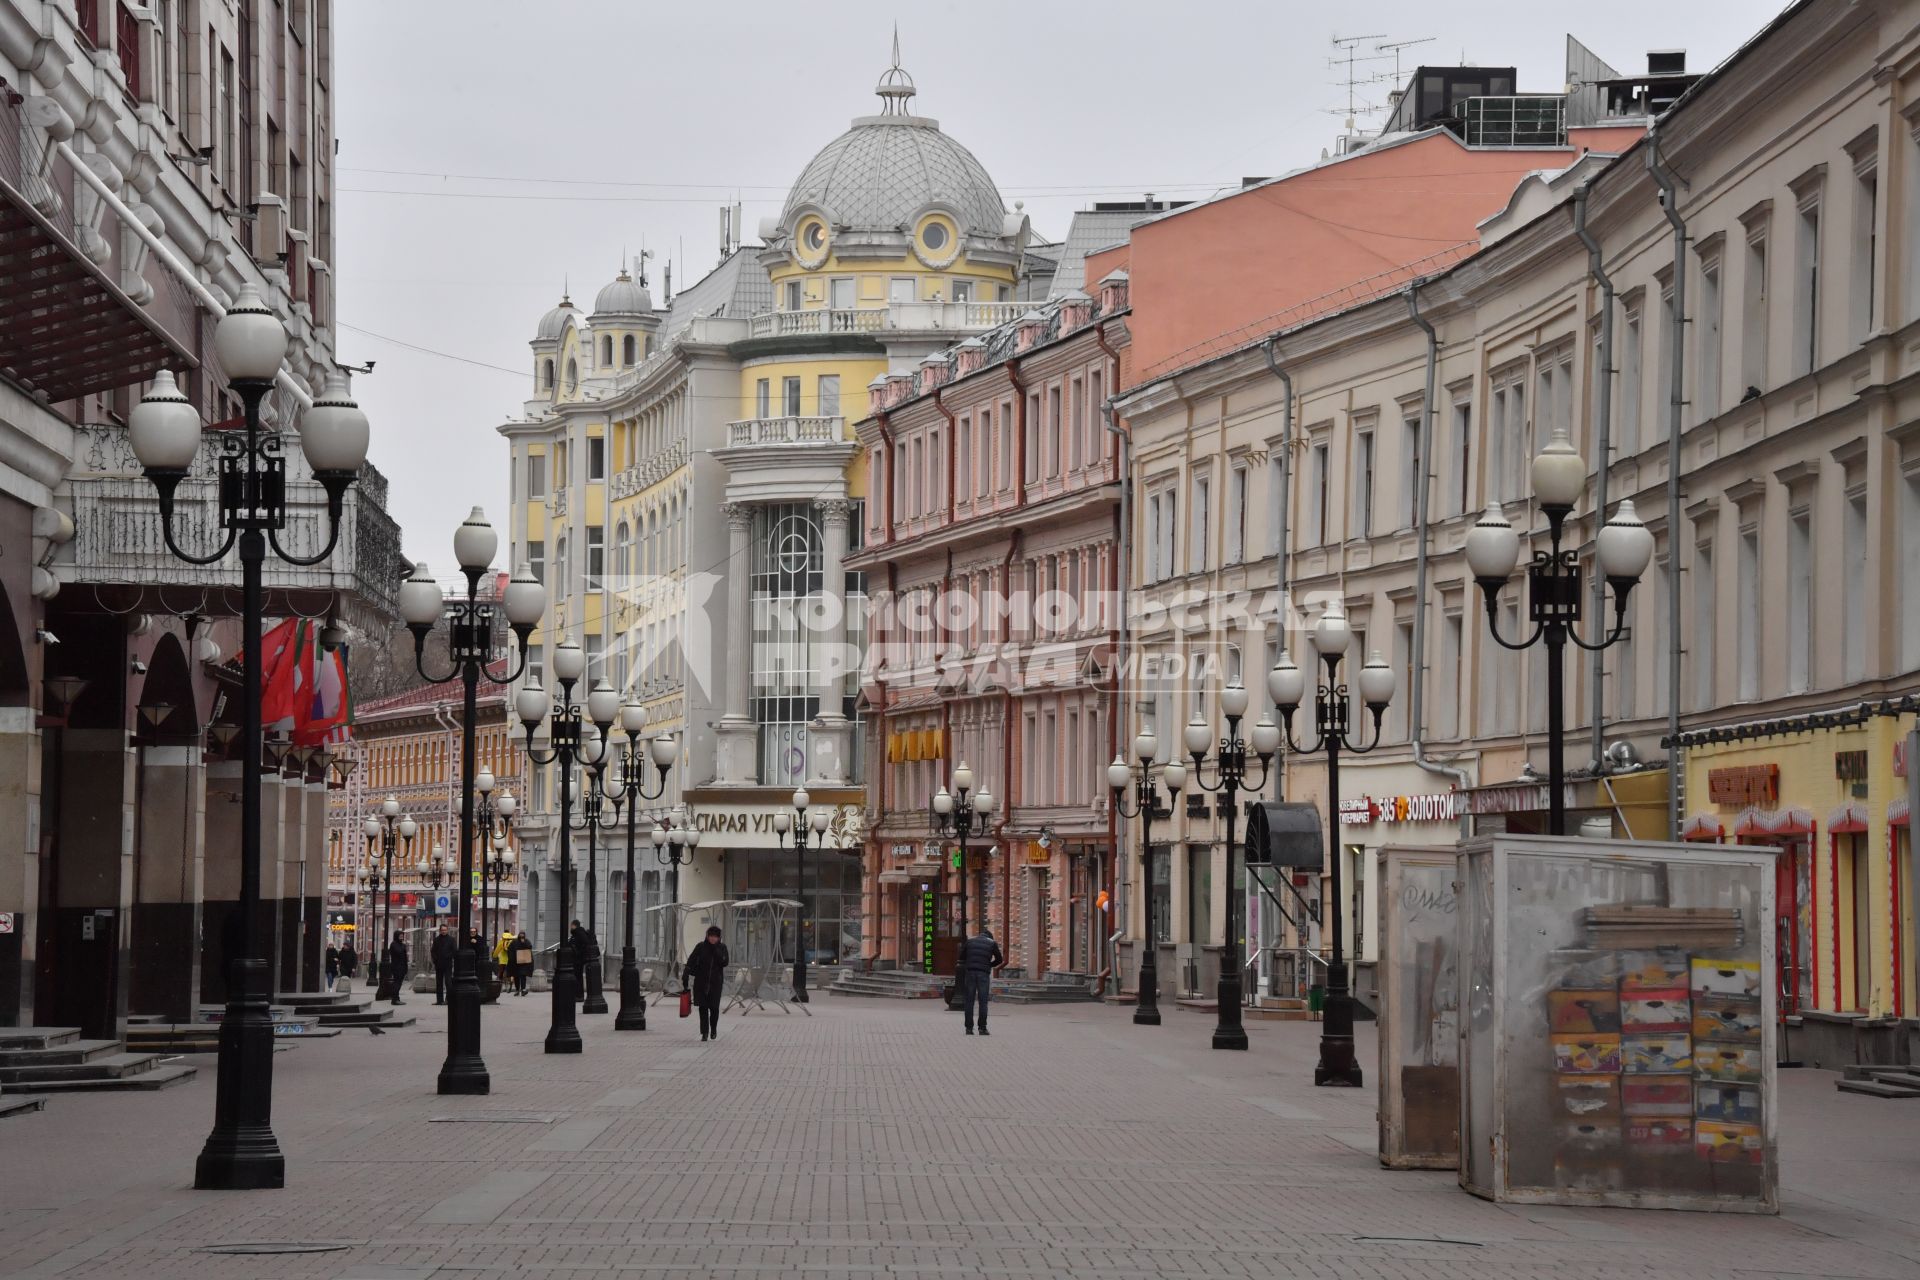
x,y
546,374
606,352
622,552
560,566
628,349
573,374
653,544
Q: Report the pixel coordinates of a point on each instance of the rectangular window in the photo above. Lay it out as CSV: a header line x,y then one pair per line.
x,y
1663,368
900,289
536,665
1201,547
1657,597
1056,443
1806,288
1447,672
596,555
1162,923
963,448
596,457
1799,599
763,398
1276,478
1866,248
791,295
1753,316
1748,614
841,294
1707,391
1626,433
1399,723
1169,526
1704,611
1082,453
1031,470
963,291
1154,516
229,125
1462,457
596,651
537,559
1853,610
1410,476
790,397
1237,515
1363,479
536,475
1319,494
917,479
827,395
163,33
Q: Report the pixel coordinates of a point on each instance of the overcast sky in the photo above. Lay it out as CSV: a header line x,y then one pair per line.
x,y
537,141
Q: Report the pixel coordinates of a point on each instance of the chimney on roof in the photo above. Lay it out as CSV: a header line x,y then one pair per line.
x,y
1666,62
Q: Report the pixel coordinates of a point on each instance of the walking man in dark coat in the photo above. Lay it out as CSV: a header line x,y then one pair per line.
x,y
980,957
442,964
397,963
707,971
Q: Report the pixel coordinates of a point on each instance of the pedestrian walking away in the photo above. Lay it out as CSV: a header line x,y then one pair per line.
x,y
980,959
333,966
522,962
397,963
349,966
442,955
707,971
582,942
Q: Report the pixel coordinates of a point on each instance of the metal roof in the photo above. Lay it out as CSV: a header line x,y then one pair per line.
x,y
734,290
886,169
1091,229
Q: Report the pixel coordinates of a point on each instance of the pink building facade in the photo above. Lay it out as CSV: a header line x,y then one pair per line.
x,y
991,551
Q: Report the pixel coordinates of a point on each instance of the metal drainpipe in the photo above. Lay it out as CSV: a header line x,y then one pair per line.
x,y
1019,433
1603,445
1669,204
1417,712
1122,541
1281,514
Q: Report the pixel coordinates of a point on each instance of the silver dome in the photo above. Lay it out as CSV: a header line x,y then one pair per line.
x,y
623,296
554,323
886,169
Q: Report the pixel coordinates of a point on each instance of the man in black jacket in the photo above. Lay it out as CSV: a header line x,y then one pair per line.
x,y
706,971
980,956
442,956
397,963
582,943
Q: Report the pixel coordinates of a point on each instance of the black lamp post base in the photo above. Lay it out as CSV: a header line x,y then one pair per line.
x,y
1337,1067
596,1001
1146,1017
464,1071
241,1154
564,1035
633,1004
1146,1012
1230,1033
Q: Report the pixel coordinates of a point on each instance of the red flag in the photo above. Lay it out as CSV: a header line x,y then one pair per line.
x,y
325,708
278,662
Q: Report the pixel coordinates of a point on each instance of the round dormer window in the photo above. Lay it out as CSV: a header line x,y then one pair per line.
x,y
936,241
810,241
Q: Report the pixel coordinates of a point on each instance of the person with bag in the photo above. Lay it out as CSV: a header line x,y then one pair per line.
x,y
522,962
333,965
980,955
706,970
349,965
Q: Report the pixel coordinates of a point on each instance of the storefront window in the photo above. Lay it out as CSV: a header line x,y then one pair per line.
x,y
1162,895
1199,895
833,890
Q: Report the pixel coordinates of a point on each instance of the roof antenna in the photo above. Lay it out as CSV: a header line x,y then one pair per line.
x,y
896,86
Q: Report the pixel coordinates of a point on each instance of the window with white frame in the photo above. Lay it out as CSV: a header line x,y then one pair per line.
x,y
1805,354
1754,297
1854,605
1365,479
596,556
1706,392
1631,349
1748,615
827,395
1663,361
1319,490
1865,151
1909,499
1800,613
596,457
1276,480
1411,464
1448,683
1705,631
1460,483
536,475
1201,546
1237,514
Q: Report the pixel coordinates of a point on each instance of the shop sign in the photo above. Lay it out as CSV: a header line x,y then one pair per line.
x,y
1443,806
1744,786
927,917
902,849
1039,854
1527,798
751,827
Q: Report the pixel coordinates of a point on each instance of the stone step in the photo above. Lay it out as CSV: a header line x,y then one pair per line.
x,y
36,1037
1876,1089
363,1017
107,1066
19,1104
66,1053
1904,1077
1278,1015
383,1023
145,1081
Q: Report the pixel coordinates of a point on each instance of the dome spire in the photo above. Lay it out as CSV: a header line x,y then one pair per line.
x,y
896,86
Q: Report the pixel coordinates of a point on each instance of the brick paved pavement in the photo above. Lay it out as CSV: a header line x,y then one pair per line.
x,y
875,1140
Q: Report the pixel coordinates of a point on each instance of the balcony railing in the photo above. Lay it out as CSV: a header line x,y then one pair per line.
x,y
786,431
119,552
959,317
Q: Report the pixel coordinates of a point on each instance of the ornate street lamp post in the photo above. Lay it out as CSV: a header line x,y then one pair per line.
x,y
241,1152
627,788
564,741
471,650
675,840
799,823
1146,804
596,815
1331,706
1624,548
492,821
1230,778
954,813
384,827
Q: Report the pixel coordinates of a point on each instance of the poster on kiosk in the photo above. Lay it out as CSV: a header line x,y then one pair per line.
x,y
1618,1023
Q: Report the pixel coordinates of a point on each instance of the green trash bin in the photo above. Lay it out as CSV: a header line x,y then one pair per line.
x,y
1316,999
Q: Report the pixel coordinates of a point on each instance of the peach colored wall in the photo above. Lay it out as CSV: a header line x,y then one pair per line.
x,y
1220,275
1609,140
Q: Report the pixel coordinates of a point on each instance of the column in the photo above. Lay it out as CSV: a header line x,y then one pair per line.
x,y
220,878
313,886
170,827
20,757
279,832
831,760
736,747
94,885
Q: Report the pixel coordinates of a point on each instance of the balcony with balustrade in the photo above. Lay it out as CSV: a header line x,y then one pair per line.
x,y
894,317
787,431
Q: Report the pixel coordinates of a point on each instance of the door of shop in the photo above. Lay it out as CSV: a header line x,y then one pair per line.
x,y
1037,907
1078,893
1793,903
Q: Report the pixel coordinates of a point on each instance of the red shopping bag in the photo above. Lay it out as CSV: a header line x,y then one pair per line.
x,y
686,1002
